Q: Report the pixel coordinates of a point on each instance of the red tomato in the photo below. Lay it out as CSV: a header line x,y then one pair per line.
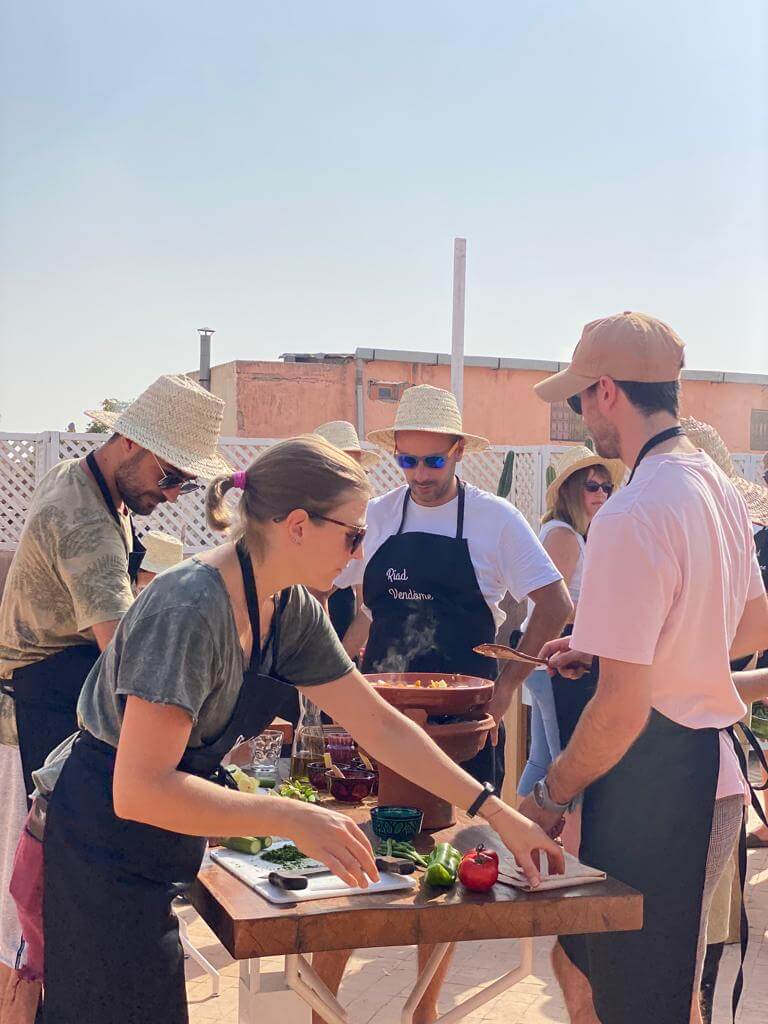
x,y
479,869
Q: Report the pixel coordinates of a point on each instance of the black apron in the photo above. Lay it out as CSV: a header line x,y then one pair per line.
x,y
46,693
428,612
112,948
571,696
341,609
647,822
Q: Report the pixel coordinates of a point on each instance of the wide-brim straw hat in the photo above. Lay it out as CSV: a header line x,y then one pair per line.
x,y
178,421
580,457
343,435
704,436
163,551
432,411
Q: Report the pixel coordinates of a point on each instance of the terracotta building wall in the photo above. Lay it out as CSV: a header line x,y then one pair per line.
x,y
283,399
276,399
727,406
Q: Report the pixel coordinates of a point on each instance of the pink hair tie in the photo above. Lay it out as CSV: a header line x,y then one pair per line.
x,y
239,479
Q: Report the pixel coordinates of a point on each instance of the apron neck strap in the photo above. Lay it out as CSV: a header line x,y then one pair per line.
x,y
136,555
654,442
98,476
252,601
459,511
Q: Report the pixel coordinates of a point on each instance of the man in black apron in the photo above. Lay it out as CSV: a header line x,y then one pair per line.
x,y
671,587
70,580
428,547
439,557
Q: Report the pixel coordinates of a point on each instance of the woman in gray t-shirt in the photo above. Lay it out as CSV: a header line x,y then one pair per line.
x,y
202,656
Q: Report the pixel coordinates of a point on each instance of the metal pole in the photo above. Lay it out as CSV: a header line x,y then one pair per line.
x,y
359,398
457,322
204,376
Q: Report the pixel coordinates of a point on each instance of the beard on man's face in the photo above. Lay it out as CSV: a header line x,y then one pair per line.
x,y
603,433
133,488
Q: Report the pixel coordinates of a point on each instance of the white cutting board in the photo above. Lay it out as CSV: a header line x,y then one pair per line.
x,y
253,871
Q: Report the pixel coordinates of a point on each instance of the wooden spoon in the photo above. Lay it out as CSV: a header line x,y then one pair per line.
x,y
507,654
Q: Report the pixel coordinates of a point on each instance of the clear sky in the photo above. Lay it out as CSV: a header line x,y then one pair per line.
x,y
293,174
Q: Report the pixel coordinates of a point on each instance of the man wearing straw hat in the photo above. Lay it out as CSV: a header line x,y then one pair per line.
x,y
439,557
70,579
671,590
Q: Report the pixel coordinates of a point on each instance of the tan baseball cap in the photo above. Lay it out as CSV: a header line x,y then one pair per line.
x,y
628,346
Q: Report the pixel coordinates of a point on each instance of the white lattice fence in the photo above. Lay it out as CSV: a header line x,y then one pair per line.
x,y
526,484
483,469
385,475
18,469
25,458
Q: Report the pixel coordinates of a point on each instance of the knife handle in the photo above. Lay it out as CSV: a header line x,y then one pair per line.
x,y
395,865
290,880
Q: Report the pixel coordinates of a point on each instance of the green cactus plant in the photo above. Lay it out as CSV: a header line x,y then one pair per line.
x,y
504,488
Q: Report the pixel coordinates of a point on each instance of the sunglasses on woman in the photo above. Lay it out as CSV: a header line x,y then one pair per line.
x,y
593,487
173,480
354,536
355,533
430,461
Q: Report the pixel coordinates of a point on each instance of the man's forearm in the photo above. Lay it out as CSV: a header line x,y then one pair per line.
x,y
605,732
356,636
752,686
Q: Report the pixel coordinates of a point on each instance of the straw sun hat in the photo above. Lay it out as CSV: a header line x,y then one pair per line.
x,y
343,435
707,438
580,457
431,410
176,420
163,551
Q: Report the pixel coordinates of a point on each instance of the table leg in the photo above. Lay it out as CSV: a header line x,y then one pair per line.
x,y
523,970
306,983
248,990
194,952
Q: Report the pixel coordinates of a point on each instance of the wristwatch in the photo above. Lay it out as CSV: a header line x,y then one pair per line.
x,y
544,800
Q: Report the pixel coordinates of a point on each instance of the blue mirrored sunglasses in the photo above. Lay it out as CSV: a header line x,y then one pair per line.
x,y
430,461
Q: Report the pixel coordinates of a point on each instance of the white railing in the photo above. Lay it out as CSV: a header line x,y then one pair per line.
x,y
26,458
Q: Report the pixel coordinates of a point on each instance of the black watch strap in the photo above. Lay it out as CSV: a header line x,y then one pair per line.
x,y
487,791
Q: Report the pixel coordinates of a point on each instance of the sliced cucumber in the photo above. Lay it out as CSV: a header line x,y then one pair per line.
x,y
247,844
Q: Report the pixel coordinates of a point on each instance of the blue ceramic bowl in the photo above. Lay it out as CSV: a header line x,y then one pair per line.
x,y
396,822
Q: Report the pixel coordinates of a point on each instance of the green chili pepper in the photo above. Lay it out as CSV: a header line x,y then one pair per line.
x,y
443,865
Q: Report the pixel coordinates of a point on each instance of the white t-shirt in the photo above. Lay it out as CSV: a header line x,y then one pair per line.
x,y
505,552
574,583
669,567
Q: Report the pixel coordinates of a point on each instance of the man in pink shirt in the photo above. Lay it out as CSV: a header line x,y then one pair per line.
x,y
671,591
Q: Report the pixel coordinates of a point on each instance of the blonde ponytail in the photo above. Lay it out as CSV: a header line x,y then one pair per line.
x,y
217,513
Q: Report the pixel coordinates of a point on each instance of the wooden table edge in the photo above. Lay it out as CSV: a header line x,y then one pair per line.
x,y
603,907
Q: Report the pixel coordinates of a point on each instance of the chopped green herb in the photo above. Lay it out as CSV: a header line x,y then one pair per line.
x,y
286,856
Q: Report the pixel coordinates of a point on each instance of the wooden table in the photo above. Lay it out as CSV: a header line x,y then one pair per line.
x,y
251,928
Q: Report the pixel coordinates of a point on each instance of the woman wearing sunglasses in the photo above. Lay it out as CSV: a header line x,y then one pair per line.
x,y
203,656
582,485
